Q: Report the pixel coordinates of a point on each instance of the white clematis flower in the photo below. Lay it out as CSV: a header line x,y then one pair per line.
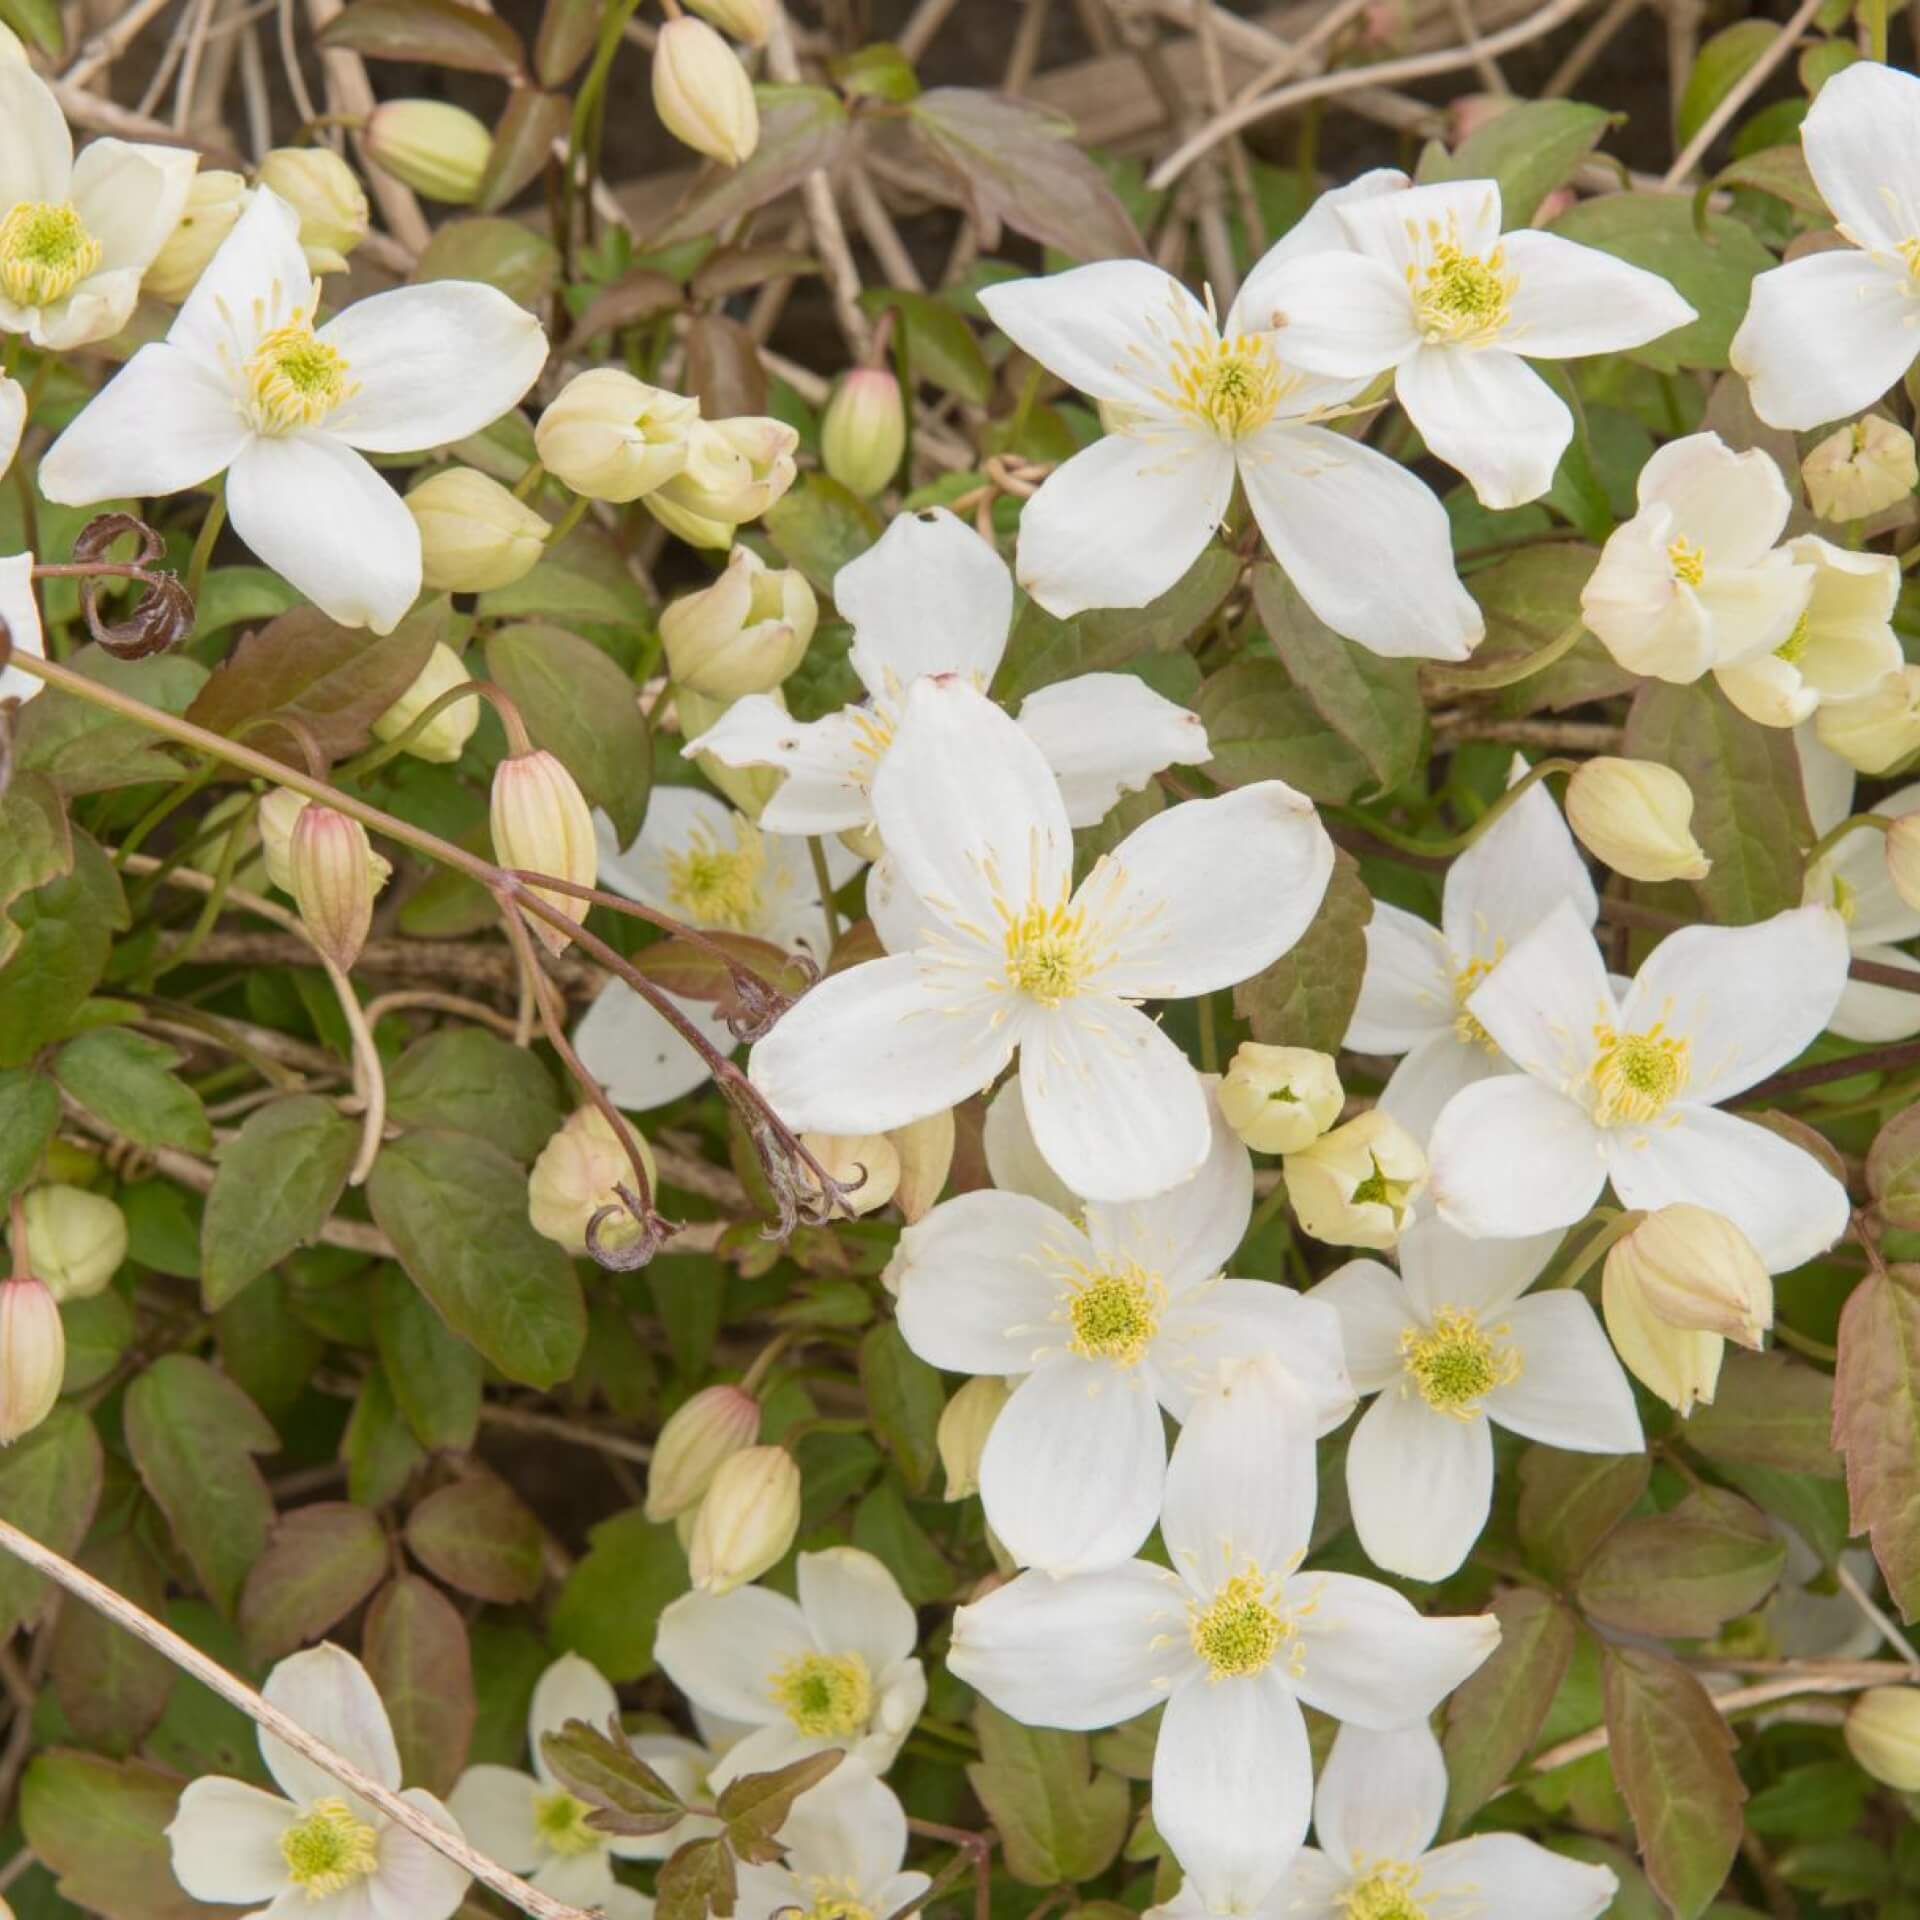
x,y
1192,406
1413,996
13,420
1828,334
532,1825
845,1842
75,236
1694,581
1434,290
21,612
244,385
1233,1640
1103,1325
1448,1345
834,1670
1624,1087
321,1852
932,597
1012,958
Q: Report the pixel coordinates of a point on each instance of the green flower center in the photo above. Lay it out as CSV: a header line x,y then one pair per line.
x,y
717,886
1385,1894
1463,297
1377,1190
45,252
1795,644
1232,386
294,379
1114,1311
1241,1629
827,1696
1456,1362
1636,1075
1048,957
561,1822
328,1850
836,1900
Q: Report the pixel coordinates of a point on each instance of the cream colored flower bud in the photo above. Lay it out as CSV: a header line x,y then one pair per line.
x,y
735,470
1682,1368
541,824
965,1422
864,432
278,812
926,1158
1878,730
327,195
747,1521
1903,858
444,738
745,633
702,94
76,1240
474,535
574,1178
748,20
1636,815
700,1436
867,1164
1355,1186
33,1355
431,146
1697,1271
612,437
1860,469
1280,1099
214,203
696,529
333,874
1883,1735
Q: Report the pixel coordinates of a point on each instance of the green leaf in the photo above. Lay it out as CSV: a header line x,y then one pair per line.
x,y
99,1331
583,581
455,1208
467,1080
84,748
1307,997
940,345
66,930
1261,726
38,21
436,33
1496,1714
279,1179
1780,171
29,1112
507,254
1722,59
1685,1573
49,1487
818,526
1893,1169
380,1451
582,709
1570,1502
904,1401
801,131
112,1687
697,1880
415,1646
127,1080
1059,1817
1529,149
885,1527
1528,598
238,596
35,847
523,140
611,1604
322,1561
756,1805
436,1379
1769,1410
192,1434
265,1347
1876,1424
598,1765
479,1536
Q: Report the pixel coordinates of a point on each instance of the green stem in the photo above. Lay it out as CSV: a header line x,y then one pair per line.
x,y
529,482
203,544
1460,842
817,853
1274,1203
1209,1037
1509,673
1804,1343
1583,1262
568,520
1884,823
377,757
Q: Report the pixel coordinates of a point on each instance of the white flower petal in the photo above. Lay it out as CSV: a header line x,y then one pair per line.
x,y
825,762
13,420
1419,1088
36,150
328,1692
850,1828
1866,1012
721,1650
1511,1157
1403,229
853,1604
1825,336
1420,1484
570,1689
1863,152
130,198
579,1880
1406,993
1380,1795
1573,300
1105,734
95,310
494,1806
1571,1392
929,596
1513,876
632,1049
1443,1268
1015,1163
1312,1888
1374,1311
258,279
1318,230
1542,1002
1506,1873
225,1838
413,1880
1732,505
20,612
1372,1659
1343,314
1212,1327
1487,413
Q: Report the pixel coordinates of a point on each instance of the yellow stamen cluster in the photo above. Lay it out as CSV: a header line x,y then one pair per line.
x,y
1689,563
1456,1363
716,885
836,1900
1466,1029
1048,957
329,1849
1233,386
1114,1311
45,252
1795,644
561,1822
1387,1893
1460,297
1240,1630
872,736
827,1696
1636,1076
294,379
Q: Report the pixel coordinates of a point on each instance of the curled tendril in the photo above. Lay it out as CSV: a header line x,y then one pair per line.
x,y
655,1231
164,615
755,1006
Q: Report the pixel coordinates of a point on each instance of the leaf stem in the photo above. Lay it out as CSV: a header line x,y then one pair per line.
x,y
203,543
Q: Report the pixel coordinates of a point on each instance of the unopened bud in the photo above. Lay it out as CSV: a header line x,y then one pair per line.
x,y
699,1437
327,195
965,1422
1636,815
1679,1367
612,437
444,738
926,1158
213,205
867,1165
1879,729
1280,1099
1697,1271
1883,1735
76,1240
747,1521
33,1355
541,824
1355,1186
431,146
702,94
735,470
1859,470
745,633
575,1177
333,874
864,432
748,20
1903,858
474,535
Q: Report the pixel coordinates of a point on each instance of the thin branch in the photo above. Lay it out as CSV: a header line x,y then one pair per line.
x,y
1742,90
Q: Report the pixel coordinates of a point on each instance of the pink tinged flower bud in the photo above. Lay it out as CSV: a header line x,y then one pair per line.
x,y
1879,729
965,1422
745,633
1682,1368
1883,1734
1860,469
867,1165
324,191
748,20
33,1355
444,738
702,94
1280,1099
612,437
335,874
747,1521
925,1149
574,1178
700,1436
1698,1272
76,1240
541,824
1903,859
474,535
1637,816
214,203
1355,1186
431,146
865,431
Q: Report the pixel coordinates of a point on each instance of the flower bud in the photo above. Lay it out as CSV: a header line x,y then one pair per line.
x,y
699,1437
214,202
612,437
864,432
474,535
541,824
431,146
278,811
965,1422
926,1158
1636,816
333,874
747,1521
745,633
735,470
575,1176
1861,469
748,20
1883,1734
702,94
444,738
1697,1271
324,191
1355,1186
76,1240
1280,1099
1681,1368
1903,858
33,1355
1879,729
867,1164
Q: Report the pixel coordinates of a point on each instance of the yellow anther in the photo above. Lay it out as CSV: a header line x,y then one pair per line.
x,y
835,1900
1466,1028
1387,1893
1048,956
1689,563
1233,386
45,252
1795,644
827,1696
1241,1629
294,379
715,885
329,1850
1456,1363
1636,1076
1460,297
1114,1311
